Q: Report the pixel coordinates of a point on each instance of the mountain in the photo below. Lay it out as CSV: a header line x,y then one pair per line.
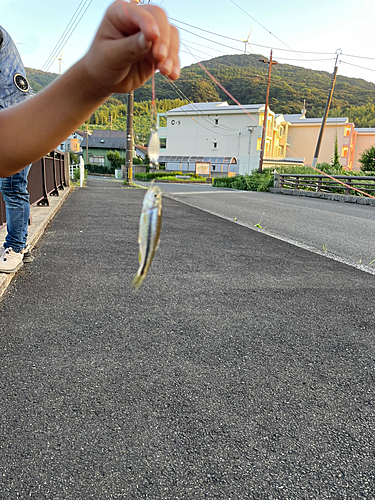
x,y
39,79
245,77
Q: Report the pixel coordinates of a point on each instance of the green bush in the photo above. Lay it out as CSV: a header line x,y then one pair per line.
x,y
99,169
165,175
254,182
223,182
76,174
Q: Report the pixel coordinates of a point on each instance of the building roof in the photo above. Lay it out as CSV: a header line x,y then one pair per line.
x,y
214,107
106,139
297,118
197,159
140,150
369,130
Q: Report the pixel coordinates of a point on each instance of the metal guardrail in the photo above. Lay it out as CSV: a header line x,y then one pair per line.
x,y
47,177
322,183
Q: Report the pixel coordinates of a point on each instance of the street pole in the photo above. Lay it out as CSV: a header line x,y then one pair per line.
x,y
264,133
328,105
87,144
127,172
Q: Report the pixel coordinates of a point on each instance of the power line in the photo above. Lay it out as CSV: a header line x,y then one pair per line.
x,y
206,31
213,41
253,18
65,37
202,45
238,40
306,60
359,57
356,65
200,113
53,53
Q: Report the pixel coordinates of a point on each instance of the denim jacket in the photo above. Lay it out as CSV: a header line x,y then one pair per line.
x,y
14,87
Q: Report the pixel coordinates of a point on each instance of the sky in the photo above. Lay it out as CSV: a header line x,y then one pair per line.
x,y
302,33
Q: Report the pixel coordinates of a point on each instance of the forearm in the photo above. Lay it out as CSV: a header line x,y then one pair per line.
x,y
130,44
38,125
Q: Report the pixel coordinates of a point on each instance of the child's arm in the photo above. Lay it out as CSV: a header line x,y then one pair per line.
x,y
131,42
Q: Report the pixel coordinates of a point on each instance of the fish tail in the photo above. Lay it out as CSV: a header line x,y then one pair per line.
x,y
138,280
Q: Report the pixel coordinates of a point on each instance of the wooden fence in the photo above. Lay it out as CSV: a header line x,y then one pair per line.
x,y
322,183
47,177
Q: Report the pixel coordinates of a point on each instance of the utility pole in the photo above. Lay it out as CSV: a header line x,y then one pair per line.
x,y
127,172
270,64
87,144
329,99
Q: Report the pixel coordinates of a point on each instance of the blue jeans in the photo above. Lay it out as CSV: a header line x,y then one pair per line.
x,y
17,209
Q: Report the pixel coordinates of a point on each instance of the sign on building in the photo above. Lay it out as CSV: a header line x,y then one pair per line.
x,y
203,168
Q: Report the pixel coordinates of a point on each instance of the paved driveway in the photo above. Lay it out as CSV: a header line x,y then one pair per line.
x,y
244,367
343,229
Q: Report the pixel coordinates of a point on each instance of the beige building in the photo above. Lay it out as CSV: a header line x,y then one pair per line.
x,y
365,139
228,138
303,136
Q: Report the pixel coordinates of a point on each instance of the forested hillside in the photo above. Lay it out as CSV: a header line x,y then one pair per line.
x,y
39,79
245,77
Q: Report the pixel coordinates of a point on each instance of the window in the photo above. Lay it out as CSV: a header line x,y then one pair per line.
x,y
281,131
214,145
261,120
347,132
163,143
259,144
97,159
216,121
344,152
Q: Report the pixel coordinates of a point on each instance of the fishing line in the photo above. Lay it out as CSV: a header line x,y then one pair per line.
x,y
222,88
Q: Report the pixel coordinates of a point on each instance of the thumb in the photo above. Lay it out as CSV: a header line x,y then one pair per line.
x,y
129,50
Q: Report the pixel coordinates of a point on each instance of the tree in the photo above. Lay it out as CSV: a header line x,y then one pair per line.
x,y
115,159
73,159
367,160
335,161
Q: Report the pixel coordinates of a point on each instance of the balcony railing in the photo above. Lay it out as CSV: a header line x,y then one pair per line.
x,y
47,177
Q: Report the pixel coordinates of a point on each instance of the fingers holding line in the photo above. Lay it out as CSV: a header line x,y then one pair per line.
x,y
156,33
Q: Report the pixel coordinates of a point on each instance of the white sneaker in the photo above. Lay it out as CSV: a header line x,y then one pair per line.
x,y
27,257
10,261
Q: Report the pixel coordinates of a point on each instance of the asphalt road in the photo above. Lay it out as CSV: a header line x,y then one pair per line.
x,y
243,368
345,230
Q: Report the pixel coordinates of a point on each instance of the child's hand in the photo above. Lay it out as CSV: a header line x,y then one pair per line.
x,y
131,43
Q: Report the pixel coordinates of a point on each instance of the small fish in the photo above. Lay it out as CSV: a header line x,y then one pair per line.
x,y
153,149
149,232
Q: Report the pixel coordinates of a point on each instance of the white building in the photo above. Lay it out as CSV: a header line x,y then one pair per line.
x,y
228,137
73,143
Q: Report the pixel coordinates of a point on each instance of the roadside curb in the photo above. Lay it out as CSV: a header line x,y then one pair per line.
x,y
325,196
40,218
